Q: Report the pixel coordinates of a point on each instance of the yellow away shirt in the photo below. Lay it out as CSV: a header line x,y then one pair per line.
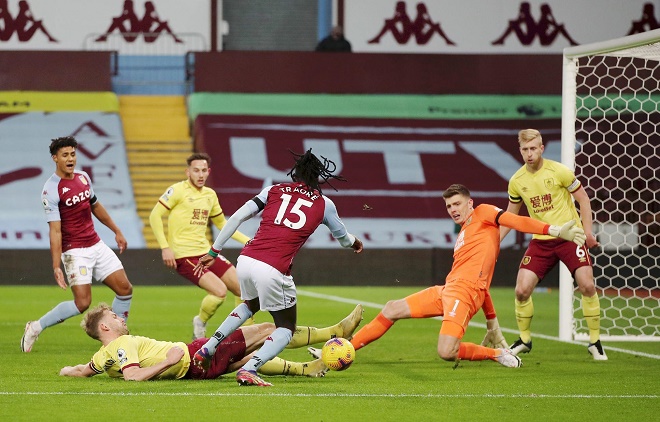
x,y
547,194
189,210
130,350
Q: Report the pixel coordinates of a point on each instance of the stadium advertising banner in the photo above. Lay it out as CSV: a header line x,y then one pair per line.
x,y
26,164
24,101
128,26
491,27
396,169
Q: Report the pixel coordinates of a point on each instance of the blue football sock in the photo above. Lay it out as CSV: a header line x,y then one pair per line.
x,y
273,345
235,319
62,311
121,305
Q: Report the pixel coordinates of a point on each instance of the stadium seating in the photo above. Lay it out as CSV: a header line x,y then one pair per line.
x,y
157,144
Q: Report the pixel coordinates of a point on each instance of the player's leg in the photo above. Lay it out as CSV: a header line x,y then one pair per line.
x,y
578,263
248,269
422,304
254,336
77,267
459,304
211,283
109,270
584,277
305,335
118,282
285,320
524,309
277,295
230,279
279,366
540,257
457,308
216,293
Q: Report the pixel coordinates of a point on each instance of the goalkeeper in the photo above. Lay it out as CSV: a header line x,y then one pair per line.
x,y
467,284
548,189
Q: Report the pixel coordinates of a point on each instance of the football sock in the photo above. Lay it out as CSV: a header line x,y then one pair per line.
x,y
304,336
524,314
372,331
228,326
210,304
238,301
121,305
471,351
279,366
273,345
591,312
62,311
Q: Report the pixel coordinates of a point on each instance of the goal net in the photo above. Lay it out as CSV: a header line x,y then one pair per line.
x,y
611,136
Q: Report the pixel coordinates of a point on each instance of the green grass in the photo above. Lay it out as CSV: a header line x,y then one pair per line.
x,y
399,377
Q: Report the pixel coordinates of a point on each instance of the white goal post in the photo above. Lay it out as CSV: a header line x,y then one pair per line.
x,y
611,137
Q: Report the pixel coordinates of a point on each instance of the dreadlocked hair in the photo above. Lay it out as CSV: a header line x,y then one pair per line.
x,y
308,169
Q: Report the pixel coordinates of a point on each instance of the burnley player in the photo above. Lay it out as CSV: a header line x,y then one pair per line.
x,y
549,191
189,205
291,213
69,202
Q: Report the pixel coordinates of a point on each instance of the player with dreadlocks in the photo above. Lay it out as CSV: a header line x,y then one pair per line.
x,y
291,213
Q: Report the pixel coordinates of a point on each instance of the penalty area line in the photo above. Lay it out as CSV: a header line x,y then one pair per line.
x,y
474,324
324,395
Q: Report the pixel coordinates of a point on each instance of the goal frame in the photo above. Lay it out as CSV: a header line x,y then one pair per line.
x,y
568,144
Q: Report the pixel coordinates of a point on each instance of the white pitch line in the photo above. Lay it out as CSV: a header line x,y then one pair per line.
x,y
345,395
474,324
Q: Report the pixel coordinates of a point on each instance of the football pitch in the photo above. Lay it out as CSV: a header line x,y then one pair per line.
x,y
399,377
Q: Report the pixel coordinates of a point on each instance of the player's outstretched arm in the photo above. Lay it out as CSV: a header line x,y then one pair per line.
x,y
513,208
83,370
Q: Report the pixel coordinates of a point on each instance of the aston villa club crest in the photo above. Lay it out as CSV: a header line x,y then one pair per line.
x,y
526,260
549,183
83,180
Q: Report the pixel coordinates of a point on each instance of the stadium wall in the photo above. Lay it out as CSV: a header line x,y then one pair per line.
x,y
313,267
63,71
426,74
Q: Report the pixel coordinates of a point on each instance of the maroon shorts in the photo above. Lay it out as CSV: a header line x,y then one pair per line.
x,y
542,255
232,349
185,266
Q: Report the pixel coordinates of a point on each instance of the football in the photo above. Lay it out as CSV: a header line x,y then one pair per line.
x,y
338,354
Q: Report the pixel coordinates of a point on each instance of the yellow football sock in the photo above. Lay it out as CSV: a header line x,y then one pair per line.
x,y
238,301
524,315
591,312
210,304
279,366
304,335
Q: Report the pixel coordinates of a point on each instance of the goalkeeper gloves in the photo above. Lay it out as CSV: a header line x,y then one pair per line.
x,y
569,232
494,337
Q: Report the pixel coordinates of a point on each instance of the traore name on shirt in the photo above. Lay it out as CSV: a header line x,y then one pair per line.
x,y
299,189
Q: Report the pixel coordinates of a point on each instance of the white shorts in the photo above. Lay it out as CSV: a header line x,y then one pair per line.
x,y
81,264
275,290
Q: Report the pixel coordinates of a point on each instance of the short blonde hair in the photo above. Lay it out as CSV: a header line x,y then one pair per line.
x,y
92,318
527,135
